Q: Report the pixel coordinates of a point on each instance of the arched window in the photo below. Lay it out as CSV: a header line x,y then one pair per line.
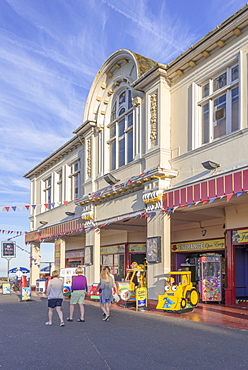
x,y
121,130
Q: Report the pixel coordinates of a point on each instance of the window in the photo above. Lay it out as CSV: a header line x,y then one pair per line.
x,y
121,130
74,176
48,192
59,183
220,105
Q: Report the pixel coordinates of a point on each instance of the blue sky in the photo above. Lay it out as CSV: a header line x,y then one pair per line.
x,y
50,52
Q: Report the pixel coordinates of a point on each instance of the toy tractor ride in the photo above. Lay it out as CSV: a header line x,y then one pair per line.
x,y
180,294
135,278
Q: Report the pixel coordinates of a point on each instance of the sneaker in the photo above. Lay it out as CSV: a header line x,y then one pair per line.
x,y
106,318
62,324
48,323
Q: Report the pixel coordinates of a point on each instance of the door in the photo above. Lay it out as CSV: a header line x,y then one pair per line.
x,y
241,273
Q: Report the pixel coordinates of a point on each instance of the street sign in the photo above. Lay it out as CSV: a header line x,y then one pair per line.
x,y
8,249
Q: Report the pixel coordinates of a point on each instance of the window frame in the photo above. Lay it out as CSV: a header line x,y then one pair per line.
x,y
119,138
210,100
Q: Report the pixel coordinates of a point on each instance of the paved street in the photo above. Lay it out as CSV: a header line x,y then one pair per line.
x,y
130,340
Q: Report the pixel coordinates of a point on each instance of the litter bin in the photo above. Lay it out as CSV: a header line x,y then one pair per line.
x,y
41,285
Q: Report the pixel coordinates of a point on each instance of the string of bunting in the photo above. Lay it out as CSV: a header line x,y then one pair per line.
x,y
18,233
31,258
168,211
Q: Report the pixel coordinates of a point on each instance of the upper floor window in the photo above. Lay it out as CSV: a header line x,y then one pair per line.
x,y
59,185
220,105
74,176
48,192
121,130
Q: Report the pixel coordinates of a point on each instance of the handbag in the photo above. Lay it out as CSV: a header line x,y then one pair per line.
x,y
116,297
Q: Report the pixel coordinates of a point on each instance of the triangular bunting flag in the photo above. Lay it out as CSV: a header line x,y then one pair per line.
x,y
239,193
27,207
20,208
14,208
46,205
205,201
7,208
33,206
228,197
212,200
65,202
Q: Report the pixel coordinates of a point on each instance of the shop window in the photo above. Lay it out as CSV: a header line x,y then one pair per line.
x,y
121,130
116,264
220,105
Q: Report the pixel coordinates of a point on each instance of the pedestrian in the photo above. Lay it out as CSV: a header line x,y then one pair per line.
x,y
106,286
18,278
79,289
115,287
55,298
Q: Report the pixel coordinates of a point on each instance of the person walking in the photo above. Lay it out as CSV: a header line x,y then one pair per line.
x,y
106,286
55,298
18,278
79,289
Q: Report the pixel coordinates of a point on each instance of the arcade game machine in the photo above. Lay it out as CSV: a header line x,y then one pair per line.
x,y
210,280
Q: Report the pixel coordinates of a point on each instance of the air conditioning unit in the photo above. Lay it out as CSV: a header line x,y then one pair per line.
x,y
219,114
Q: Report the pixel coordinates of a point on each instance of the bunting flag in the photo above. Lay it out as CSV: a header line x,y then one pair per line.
x,y
12,232
228,197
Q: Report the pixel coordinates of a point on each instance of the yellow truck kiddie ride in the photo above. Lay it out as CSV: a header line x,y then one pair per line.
x,y
135,278
180,294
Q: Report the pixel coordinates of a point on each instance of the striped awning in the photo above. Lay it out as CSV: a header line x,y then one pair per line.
x,y
206,190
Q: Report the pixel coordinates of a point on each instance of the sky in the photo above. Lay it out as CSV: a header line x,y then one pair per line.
x,y
50,52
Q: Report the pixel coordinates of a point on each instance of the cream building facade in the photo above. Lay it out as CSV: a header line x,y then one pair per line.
x,y
131,179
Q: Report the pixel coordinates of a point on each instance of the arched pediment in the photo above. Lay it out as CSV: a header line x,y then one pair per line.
x,y
121,68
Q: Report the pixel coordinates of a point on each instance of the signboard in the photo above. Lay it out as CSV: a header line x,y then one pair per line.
x,y
112,249
141,298
240,236
6,288
8,249
74,254
88,255
202,245
57,254
26,293
153,249
137,248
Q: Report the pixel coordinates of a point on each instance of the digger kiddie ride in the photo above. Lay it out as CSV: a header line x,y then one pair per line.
x,y
180,295
135,278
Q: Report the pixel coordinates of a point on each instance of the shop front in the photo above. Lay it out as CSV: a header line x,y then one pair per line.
x,y
206,261
240,254
120,257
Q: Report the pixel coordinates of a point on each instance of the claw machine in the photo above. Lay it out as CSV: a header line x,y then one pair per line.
x,y
210,282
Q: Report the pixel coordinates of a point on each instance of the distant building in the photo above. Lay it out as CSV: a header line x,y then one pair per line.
x,y
161,159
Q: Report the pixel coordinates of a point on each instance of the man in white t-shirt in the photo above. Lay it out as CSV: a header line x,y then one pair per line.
x,y
18,278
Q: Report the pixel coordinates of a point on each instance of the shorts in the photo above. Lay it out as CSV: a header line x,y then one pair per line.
x,y
106,300
77,296
55,302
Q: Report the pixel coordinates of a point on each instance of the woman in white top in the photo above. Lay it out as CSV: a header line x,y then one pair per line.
x,y
55,298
